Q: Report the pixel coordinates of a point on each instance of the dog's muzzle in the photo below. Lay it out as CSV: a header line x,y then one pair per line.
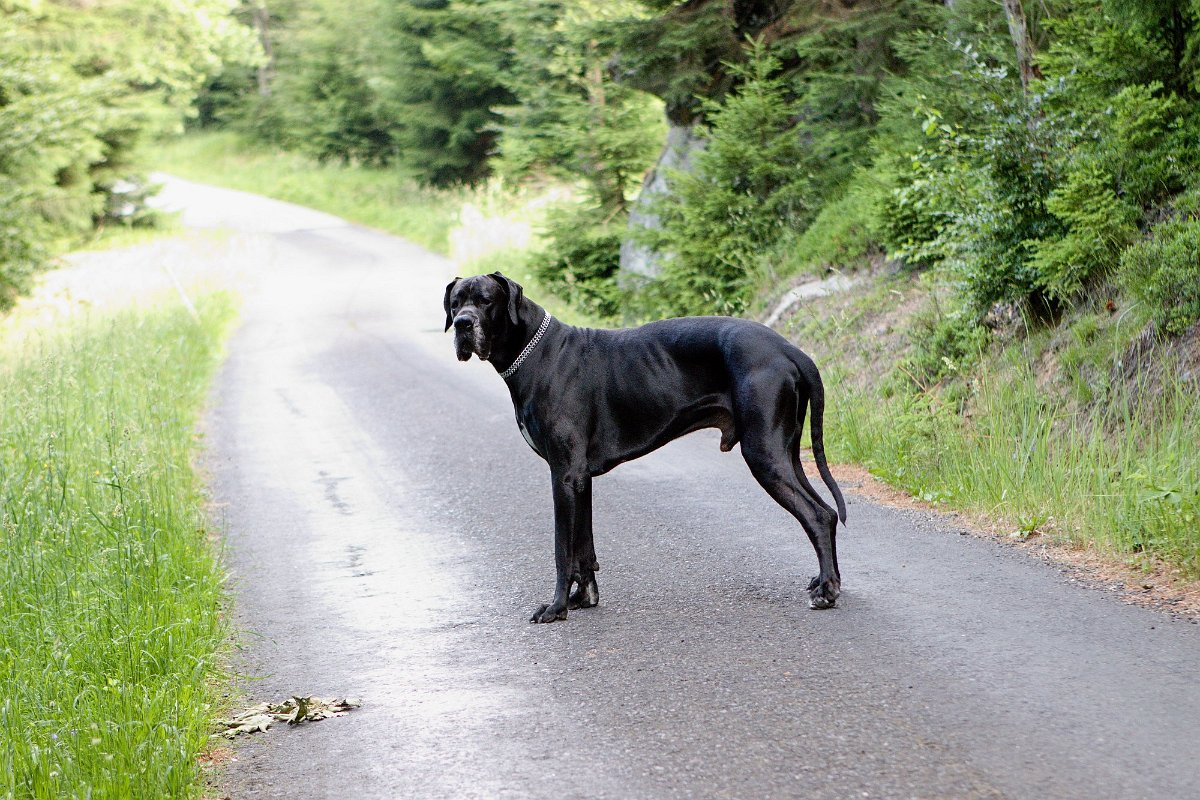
x,y
469,338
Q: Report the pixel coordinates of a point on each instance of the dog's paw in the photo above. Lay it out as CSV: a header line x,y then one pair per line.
x,y
823,594
547,614
587,595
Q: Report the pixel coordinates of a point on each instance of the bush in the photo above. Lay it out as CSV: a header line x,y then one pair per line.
x,y
1164,273
82,86
1149,146
1099,226
843,234
581,259
20,251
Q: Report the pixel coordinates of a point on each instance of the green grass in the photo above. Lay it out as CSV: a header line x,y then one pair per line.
x,y
380,198
1123,476
110,594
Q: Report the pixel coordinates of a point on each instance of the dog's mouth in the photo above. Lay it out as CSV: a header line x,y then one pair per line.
x,y
471,341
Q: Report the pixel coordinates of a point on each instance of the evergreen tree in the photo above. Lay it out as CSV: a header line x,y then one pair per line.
x,y
572,119
751,183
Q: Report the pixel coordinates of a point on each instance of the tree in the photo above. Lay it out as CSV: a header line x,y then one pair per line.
x,y
751,183
572,119
81,89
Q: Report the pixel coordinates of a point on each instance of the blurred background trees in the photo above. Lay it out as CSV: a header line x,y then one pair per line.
x,y
1024,151
83,86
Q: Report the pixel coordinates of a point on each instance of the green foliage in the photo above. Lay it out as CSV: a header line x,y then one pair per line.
x,y
749,186
440,82
679,53
1029,196
1099,225
1149,144
572,119
81,90
1122,476
321,101
412,83
838,73
844,232
110,594
944,344
1164,273
975,194
580,260
20,251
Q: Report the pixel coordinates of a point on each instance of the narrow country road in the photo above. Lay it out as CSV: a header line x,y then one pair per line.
x,y
389,532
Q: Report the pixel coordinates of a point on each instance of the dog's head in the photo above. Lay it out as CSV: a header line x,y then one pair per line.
x,y
482,310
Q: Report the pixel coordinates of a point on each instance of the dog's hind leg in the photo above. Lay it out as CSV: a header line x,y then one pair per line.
x,y
812,493
769,444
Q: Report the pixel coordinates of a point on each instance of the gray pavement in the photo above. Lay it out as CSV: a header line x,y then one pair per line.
x,y
389,533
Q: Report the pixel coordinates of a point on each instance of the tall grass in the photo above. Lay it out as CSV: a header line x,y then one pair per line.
x,y
380,198
1125,475
110,595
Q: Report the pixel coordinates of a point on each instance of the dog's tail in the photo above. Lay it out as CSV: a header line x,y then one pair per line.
x,y
816,395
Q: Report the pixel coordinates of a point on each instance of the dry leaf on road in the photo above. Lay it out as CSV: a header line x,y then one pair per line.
x,y
292,711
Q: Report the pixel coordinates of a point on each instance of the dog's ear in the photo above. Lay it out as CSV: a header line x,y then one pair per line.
x,y
449,288
515,294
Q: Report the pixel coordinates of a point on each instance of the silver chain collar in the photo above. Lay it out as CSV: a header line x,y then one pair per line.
x,y
529,347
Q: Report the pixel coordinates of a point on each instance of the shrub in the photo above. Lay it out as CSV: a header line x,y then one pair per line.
x,y
844,232
1148,147
1164,273
1099,225
20,251
580,261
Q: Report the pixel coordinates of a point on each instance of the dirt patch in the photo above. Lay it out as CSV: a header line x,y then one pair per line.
x,y
216,757
212,763
1149,584
861,327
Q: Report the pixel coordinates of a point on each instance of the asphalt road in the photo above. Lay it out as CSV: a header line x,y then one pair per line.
x,y
389,533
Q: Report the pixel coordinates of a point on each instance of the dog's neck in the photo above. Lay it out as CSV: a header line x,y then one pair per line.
x,y
529,319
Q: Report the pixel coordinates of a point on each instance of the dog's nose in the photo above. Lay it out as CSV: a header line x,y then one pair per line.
x,y
463,322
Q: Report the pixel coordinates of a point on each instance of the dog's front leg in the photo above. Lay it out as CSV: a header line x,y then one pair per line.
x,y
572,513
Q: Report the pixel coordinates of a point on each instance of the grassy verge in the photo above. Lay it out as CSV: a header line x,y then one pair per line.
x,y
109,591
115,237
1124,477
380,198
1116,469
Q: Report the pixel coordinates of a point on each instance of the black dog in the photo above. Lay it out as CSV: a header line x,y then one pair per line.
x,y
587,400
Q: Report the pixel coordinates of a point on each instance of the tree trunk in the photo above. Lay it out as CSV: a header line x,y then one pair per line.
x,y
609,185
1020,36
261,18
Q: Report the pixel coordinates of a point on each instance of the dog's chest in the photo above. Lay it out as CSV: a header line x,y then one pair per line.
x,y
528,438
